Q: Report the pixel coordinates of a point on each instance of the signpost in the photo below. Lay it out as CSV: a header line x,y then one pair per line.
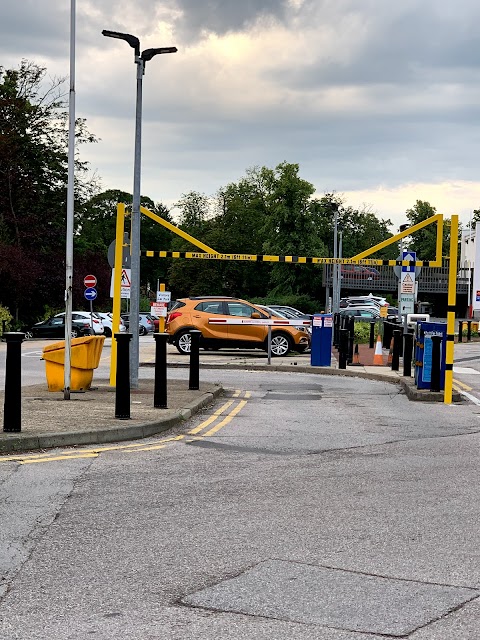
x,y
90,293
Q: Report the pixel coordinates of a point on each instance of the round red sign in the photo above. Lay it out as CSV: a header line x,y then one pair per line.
x,y
90,281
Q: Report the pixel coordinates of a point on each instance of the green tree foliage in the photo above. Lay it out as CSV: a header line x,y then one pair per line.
x,y
95,231
424,241
33,189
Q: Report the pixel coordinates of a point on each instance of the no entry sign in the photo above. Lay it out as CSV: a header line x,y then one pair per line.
x,y
90,281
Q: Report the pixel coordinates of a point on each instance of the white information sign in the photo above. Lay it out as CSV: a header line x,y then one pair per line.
x,y
164,296
407,303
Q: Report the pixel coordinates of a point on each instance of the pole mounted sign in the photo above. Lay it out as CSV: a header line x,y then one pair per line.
x,y
90,281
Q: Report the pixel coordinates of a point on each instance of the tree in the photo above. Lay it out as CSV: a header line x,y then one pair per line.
x,y
424,242
33,189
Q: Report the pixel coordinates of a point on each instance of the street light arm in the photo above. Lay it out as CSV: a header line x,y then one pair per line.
x,y
149,53
133,41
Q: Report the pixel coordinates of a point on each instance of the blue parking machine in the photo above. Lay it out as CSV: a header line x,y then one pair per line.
x,y
322,332
423,353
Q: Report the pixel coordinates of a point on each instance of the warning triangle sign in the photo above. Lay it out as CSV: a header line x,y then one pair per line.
x,y
125,278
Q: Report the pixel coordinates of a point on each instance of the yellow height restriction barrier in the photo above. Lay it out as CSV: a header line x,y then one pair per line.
x,y
86,353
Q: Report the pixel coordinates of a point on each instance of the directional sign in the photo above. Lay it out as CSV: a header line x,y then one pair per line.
x,y
90,281
411,256
90,293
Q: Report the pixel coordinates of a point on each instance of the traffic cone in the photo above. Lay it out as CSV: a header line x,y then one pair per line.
x,y
378,356
356,358
390,353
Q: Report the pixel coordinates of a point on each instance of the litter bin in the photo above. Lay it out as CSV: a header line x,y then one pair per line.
x,y
85,357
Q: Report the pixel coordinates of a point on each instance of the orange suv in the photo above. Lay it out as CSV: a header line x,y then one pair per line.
x,y
193,313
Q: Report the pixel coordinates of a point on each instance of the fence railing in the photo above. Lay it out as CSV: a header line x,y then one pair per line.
x,y
430,279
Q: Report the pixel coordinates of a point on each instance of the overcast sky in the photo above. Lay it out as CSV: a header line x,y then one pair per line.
x,y
375,100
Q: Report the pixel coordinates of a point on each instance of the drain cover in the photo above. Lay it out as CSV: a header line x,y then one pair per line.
x,y
332,598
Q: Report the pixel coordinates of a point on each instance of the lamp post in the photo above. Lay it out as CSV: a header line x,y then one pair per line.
x,y
140,60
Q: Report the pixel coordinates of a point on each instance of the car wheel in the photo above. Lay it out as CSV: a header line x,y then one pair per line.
x,y
108,332
184,343
142,331
28,335
74,333
281,344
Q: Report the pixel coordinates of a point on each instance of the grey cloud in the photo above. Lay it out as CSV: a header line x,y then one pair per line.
x,y
222,16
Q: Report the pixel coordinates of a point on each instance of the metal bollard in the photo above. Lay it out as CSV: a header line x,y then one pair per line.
x,y
371,343
122,378
397,339
342,348
160,388
435,376
336,327
193,381
407,354
469,330
460,331
12,407
351,338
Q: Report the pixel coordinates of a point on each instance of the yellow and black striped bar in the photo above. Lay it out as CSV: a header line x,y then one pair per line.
x,y
249,257
452,299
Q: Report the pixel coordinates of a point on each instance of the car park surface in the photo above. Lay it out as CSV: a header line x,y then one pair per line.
x,y
193,313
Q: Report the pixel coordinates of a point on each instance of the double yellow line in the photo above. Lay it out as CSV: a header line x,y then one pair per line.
x,y
222,423
460,386
141,446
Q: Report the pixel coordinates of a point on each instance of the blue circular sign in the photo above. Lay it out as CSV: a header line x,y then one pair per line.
x,y
90,293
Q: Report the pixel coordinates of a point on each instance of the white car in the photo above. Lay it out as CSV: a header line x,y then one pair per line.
x,y
107,319
95,320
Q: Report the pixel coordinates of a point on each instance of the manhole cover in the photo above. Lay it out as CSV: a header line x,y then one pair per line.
x,y
332,598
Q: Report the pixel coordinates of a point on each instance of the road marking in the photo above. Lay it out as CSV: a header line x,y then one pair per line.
x,y
87,452
226,420
212,418
469,396
73,454
462,384
53,458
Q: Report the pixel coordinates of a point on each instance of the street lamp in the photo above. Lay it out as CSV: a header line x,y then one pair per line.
x,y
140,60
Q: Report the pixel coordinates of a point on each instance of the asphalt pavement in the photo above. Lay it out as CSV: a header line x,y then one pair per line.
x,y
88,417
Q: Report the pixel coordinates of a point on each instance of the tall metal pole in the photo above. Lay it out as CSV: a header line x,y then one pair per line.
x,y
452,299
70,209
135,258
335,269
339,275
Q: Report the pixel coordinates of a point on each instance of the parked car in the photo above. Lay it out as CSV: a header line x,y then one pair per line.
x,y
361,313
357,271
94,320
193,313
291,311
55,328
107,319
146,323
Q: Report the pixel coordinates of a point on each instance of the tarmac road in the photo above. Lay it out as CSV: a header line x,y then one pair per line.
x,y
297,507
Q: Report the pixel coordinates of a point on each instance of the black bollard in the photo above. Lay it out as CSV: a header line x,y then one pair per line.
x,y
351,338
160,390
469,330
372,335
193,381
397,340
12,407
407,354
460,331
435,375
343,348
122,379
